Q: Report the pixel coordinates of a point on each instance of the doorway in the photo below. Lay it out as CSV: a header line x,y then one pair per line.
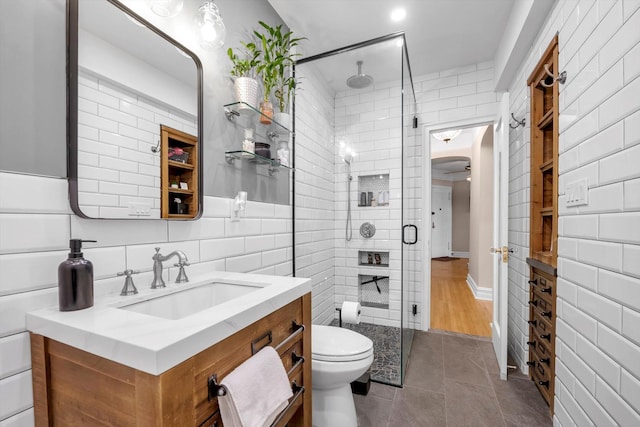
x,y
461,212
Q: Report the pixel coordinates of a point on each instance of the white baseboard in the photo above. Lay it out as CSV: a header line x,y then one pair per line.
x,y
479,292
460,254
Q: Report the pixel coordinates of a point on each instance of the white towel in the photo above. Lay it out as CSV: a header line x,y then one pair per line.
x,y
257,391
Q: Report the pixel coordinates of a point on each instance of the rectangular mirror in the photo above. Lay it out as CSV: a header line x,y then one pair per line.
x,y
128,82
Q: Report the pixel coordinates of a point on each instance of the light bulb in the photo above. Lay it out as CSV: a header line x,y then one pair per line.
x,y
209,25
166,8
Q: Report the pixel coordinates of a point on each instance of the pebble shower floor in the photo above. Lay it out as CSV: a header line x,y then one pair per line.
x,y
386,350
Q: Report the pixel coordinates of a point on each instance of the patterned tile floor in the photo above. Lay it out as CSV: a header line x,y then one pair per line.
x,y
386,350
452,380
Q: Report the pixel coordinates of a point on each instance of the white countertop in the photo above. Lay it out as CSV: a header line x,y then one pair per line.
x,y
153,344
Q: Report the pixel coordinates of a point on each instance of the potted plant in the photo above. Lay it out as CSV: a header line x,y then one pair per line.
x,y
245,68
275,68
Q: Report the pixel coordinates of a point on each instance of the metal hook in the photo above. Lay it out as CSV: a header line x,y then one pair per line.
x,y
551,79
519,122
156,148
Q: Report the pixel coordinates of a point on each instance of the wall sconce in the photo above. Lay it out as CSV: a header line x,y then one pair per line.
x,y
166,8
238,206
209,26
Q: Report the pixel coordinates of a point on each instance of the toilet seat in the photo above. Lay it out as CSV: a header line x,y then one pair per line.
x,y
333,344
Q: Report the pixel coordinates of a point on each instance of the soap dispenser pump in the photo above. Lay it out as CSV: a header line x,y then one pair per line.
x,y
75,279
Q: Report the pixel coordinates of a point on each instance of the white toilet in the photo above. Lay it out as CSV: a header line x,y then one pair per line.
x,y
339,356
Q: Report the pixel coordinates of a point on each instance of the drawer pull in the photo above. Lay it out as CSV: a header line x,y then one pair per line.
x,y
254,343
546,337
544,383
546,290
533,282
533,343
533,323
531,363
546,314
545,360
533,303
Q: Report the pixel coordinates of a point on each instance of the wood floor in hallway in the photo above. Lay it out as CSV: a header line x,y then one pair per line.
x,y
453,306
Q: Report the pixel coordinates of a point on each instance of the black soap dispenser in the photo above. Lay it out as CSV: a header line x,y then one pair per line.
x,y
75,279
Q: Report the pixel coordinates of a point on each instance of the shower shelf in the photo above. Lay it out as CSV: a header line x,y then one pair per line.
x,y
382,257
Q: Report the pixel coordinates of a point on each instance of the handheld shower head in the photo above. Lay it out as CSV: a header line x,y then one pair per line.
x,y
348,157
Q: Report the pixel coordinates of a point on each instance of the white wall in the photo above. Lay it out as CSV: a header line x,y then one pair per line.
x,y
481,228
314,202
598,309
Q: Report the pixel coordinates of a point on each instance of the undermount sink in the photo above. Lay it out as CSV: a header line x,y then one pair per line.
x,y
190,301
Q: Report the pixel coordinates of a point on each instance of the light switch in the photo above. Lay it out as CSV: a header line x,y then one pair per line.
x,y
139,209
577,193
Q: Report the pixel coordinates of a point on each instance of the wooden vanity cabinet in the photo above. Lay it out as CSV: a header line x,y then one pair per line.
x,y
73,387
543,233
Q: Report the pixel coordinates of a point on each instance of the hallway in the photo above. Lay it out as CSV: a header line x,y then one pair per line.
x,y
453,306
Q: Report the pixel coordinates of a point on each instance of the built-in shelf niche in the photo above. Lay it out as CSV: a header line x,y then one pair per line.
x,y
373,290
373,259
373,190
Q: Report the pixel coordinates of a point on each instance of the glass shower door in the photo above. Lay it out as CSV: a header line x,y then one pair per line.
x,y
411,194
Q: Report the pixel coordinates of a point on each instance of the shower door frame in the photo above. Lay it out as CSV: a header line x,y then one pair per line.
x,y
403,276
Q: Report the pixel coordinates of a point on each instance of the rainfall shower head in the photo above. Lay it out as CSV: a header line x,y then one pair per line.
x,y
360,80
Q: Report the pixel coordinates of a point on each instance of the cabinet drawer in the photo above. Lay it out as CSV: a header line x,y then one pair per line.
x,y
225,356
541,377
544,285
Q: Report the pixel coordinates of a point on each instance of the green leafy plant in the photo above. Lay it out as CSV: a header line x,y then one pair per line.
x,y
276,62
246,64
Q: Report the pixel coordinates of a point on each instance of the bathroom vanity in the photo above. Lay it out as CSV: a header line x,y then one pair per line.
x,y
145,360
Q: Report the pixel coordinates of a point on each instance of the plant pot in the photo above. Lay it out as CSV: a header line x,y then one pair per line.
x,y
283,119
246,90
266,108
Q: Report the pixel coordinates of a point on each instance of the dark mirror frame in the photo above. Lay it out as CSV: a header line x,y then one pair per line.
x,y
72,104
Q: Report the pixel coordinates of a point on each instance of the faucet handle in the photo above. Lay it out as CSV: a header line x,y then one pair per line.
x,y
129,288
182,275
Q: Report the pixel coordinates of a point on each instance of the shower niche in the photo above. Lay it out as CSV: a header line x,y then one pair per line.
x,y
373,291
373,190
373,258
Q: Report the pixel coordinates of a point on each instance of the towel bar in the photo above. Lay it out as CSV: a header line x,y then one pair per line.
x,y
297,390
296,329
215,389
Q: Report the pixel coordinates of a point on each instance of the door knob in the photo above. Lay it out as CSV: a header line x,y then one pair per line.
x,y
503,250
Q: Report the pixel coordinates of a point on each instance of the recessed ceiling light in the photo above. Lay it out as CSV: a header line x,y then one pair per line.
x,y
398,14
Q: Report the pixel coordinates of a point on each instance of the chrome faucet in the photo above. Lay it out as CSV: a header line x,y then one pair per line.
x,y
158,258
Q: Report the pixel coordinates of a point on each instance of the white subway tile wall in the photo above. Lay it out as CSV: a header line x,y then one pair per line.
x,y
35,228
116,167
598,373
314,198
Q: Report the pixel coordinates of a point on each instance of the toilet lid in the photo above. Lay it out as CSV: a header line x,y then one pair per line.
x,y
333,344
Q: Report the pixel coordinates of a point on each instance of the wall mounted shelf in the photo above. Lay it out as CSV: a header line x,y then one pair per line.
x,y
235,110
245,156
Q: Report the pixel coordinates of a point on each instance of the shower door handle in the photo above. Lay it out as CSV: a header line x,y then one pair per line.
x,y
404,229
